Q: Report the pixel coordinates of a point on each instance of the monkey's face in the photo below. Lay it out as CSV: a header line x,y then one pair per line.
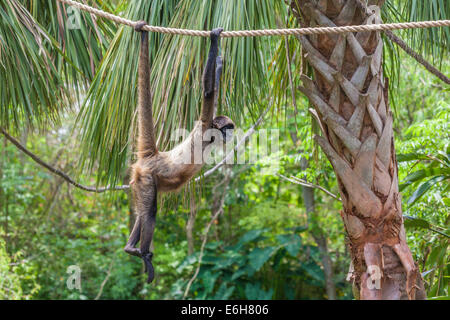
x,y
225,125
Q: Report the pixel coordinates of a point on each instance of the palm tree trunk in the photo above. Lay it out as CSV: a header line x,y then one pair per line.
x,y
350,96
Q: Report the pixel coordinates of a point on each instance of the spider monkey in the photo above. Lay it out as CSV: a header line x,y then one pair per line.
x,y
162,171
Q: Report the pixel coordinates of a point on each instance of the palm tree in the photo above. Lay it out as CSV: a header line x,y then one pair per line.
x,y
347,87
350,96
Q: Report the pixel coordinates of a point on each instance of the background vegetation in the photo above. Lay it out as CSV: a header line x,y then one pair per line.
x,y
264,244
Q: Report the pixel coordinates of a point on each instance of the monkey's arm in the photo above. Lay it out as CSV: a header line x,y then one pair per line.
x,y
146,140
209,78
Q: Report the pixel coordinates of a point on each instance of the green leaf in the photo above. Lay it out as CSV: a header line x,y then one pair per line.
x,y
255,292
292,243
250,270
411,157
213,245
259,256
422,174
436,256
251,236
298,229
32,91
434,42
413,222
209,279
251,291
424,187
223,293
314,271
425,273
190,260
444,156
239,273
446,201
439,298
222,263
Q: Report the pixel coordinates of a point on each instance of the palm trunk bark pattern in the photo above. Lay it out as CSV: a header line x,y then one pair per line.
x,y
350,97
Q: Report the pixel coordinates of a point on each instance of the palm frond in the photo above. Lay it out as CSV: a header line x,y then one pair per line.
x,y
177,61
31,90
433,42
82,38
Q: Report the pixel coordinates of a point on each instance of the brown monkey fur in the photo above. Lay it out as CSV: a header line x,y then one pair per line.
x,y
163,171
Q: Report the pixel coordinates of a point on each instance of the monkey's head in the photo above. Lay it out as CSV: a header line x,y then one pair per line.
x,y
225,125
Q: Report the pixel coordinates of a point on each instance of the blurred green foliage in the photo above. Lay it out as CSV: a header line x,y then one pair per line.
x,y
264,245
423,153
260,247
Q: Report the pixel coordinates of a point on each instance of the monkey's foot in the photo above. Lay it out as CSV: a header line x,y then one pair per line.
x,y
147,258
149,266
133,251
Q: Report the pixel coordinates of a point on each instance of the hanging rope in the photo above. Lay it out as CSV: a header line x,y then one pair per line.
x,y
298,31
265,32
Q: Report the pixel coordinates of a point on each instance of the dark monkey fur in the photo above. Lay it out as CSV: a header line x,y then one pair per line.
x,y
162,171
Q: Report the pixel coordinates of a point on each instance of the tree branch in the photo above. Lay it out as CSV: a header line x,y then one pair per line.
x,y
307,184
108,274
215,216
402,44
57,171
201,252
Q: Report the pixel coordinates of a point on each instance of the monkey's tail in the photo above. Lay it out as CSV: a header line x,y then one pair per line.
x,y
209,78
146,140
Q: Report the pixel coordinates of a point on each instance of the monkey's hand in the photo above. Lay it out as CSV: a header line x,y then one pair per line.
x,y
149,266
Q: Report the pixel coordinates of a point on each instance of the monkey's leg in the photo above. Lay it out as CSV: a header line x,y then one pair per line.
x,y
148,222
147,208
134,239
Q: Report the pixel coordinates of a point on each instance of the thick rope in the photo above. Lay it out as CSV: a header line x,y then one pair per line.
x,y
265,32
